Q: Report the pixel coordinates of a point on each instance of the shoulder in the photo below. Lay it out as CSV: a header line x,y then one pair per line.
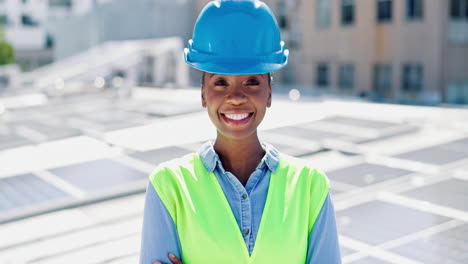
x,y
300,164
169,178
171,167
293,161
315,174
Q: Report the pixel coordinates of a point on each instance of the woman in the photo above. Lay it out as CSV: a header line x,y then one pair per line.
x,y
237,200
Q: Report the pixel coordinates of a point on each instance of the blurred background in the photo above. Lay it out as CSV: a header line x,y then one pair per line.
x,y
95,93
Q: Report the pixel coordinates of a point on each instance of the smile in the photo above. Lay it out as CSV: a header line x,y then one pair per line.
x,y
237,119
236,116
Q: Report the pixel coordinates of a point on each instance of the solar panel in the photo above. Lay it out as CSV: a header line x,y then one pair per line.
x,y
377,222
99,175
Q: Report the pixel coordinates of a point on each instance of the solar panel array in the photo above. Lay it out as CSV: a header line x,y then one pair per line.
x,y
399,187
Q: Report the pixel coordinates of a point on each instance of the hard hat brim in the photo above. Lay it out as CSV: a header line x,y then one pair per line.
x,y
236,66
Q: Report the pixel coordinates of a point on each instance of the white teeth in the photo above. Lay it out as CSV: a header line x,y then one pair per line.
x,y
236,116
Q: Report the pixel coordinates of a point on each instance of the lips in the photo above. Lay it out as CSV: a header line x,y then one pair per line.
x,y
236,118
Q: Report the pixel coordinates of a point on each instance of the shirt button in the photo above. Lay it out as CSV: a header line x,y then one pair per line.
x,y
246,231
244,196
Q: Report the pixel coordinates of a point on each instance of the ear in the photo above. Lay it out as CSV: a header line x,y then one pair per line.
x,y
203,100
269,97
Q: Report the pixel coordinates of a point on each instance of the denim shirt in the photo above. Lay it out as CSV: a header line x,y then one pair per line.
x,y
160,237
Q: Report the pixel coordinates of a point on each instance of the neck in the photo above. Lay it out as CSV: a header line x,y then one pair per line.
x,y
240,157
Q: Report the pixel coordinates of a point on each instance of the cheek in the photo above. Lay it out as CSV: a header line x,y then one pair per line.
x,y
265,99
210,100
212,103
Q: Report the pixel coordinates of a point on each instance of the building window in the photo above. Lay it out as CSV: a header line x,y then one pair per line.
x,y
382,80
346,76
49,41
61,3
459,9
412,78
458,24
322,77
414,9
282,15
457,92
3,20
384,11
323,12
347,12
28,21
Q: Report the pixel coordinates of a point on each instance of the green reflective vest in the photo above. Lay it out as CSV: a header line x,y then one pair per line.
x,y
207,229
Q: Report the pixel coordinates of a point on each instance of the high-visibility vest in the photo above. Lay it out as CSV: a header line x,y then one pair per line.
x,y
207,228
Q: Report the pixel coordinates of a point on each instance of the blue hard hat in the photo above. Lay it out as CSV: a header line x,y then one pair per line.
x,y
236,37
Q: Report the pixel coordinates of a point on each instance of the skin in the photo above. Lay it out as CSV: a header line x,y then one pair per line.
x,y
237,143
172,258
238,146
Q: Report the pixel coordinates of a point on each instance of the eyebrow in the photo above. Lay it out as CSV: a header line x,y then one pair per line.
x,y
248,75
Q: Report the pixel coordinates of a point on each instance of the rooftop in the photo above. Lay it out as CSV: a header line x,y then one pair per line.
x,y
74,171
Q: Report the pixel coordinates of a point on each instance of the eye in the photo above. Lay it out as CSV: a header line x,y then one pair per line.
x,y
220,83
252,82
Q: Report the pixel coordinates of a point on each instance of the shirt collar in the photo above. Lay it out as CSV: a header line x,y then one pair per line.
x,y
211,159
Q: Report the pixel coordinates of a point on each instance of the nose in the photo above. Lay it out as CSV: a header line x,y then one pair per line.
x,y
236,95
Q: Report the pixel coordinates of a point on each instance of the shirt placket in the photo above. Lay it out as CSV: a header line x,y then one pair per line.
x,y
255,177
246,217
246,211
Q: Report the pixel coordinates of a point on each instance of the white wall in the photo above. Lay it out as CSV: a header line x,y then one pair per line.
x,y
113,21
34,37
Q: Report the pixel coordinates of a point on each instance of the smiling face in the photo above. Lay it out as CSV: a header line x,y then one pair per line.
x,y
236,104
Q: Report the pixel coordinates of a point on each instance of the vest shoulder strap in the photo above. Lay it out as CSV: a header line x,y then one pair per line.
x,y
318,185
167,178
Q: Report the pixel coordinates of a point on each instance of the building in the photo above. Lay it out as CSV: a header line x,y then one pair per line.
x,y
403,51
29,25
406,51
123,20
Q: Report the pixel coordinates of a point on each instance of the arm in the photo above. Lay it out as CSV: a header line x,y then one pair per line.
x,y
323,239
159,235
